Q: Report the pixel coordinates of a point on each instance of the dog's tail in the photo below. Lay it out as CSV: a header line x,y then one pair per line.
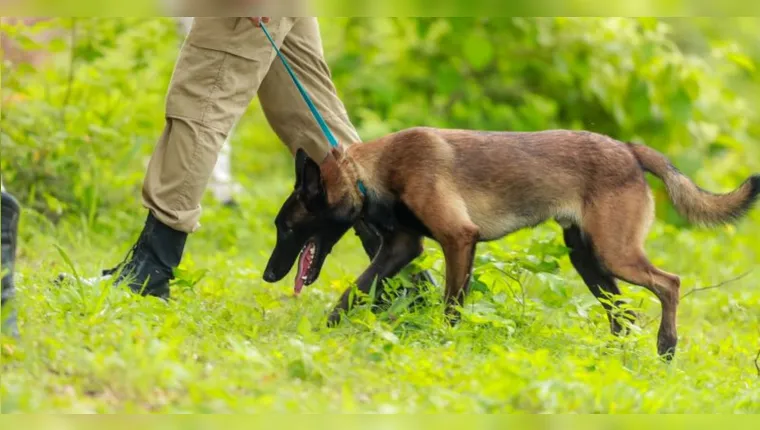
x,y
695,204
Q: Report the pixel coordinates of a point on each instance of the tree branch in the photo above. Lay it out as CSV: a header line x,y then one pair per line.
x,y
696,290
722,284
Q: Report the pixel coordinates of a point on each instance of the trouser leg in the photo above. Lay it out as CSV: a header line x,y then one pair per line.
x,y
217,74
219,70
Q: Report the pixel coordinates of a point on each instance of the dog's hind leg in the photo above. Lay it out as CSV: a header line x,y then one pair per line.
x,y
459,253
395,253
602,285
617,224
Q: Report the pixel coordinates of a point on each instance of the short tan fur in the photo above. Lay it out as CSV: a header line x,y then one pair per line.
x,y
470,186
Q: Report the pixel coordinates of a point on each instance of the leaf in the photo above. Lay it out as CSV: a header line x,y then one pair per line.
x,y
742,60
57,45
26,43
478,50
69,263
88,53
448,79
387,336
691,83
188,279
55,205
77,277
298,369
543,266
638,101
477,285
304,327
729,142
680,106
24,69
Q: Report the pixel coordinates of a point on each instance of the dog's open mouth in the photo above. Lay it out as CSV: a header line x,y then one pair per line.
x,y
306,273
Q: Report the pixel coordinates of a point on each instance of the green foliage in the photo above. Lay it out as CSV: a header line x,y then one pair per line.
x,y
76,137
623,77
70,129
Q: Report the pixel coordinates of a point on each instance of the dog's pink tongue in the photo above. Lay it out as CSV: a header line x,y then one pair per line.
x,y
304,262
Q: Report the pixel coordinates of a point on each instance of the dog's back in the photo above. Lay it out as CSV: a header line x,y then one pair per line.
x,y
509,180
517,180
506,181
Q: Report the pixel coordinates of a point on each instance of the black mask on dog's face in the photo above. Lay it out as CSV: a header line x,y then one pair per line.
x,y
306,225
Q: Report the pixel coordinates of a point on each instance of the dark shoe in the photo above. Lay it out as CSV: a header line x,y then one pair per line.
x,y
11,211
150,264
231,204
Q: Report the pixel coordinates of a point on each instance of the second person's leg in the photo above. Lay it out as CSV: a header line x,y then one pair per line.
x,y
11,210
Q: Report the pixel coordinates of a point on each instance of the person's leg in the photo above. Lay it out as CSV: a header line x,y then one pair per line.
x,y
217,74
11,211
290,117
222,185
283,105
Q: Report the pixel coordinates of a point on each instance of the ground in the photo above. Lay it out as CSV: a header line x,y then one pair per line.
x,y
230,342
533,338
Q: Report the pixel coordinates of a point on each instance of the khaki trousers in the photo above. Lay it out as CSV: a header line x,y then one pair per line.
x,y
223,64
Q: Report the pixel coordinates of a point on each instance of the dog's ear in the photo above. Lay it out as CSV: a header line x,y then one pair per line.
x,y
310,186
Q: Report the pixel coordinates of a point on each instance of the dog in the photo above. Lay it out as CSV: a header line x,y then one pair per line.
x,y
462,187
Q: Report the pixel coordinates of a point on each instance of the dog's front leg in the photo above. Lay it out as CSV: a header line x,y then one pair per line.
x,y
444,212
396,252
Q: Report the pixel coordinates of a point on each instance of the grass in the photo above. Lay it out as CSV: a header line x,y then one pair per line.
x,y
231,343
533,338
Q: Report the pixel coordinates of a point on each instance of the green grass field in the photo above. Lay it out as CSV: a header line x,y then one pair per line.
x,y
231,343
533,338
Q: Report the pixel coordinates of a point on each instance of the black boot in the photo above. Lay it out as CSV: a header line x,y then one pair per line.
x,y
155,255
11,211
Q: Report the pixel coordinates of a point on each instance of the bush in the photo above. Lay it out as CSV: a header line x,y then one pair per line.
x,y
89,122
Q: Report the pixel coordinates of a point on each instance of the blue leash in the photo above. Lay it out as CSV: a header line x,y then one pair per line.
x,y
322,124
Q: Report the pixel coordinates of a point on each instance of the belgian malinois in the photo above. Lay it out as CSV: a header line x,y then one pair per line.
x,y
462,187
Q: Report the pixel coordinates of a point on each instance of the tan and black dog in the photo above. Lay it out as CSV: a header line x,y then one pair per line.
x,y
462,187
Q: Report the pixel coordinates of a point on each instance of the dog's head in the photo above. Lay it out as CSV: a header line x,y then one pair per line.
x,y
324,204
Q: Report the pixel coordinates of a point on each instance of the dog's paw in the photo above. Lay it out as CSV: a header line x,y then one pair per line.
x,y
334,319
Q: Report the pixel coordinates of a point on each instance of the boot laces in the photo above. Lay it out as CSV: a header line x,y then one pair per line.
x,y
128,258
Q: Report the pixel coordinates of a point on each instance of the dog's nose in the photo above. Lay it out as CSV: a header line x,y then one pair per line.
x,y
269,275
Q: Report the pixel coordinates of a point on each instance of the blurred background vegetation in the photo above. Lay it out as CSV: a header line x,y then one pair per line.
x,y
76,133
79,126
